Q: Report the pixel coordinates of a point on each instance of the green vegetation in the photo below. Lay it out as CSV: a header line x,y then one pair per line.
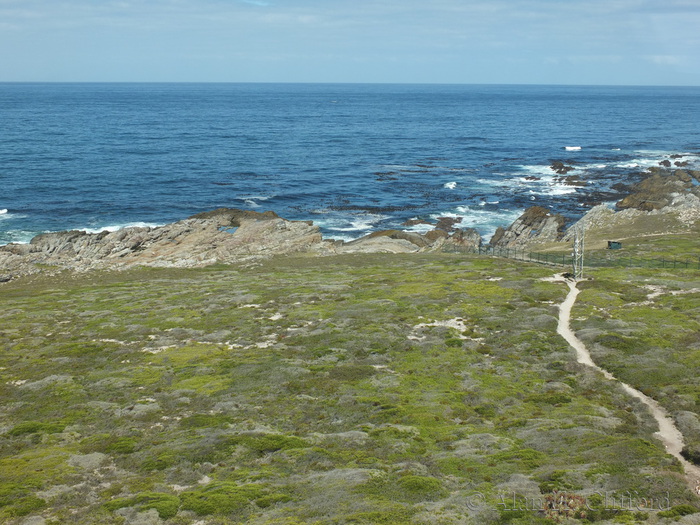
x,y
371,389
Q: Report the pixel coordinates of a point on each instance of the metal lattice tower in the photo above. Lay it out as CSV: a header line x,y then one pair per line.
x,y
578,252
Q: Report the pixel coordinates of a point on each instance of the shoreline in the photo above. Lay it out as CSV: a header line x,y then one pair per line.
x,y
664,202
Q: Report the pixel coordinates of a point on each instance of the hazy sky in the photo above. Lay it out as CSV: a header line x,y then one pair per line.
x,y
433,41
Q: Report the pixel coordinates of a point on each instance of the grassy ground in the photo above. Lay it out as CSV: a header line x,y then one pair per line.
x,y
356,389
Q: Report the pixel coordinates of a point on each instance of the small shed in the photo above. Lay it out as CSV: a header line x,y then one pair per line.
x,y
614,245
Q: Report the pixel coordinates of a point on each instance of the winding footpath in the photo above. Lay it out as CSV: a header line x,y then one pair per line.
x,y
668,433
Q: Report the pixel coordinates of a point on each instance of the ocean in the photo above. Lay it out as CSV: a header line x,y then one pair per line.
x,y
353,158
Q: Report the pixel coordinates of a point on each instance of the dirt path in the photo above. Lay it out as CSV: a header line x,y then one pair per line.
x,y
668,434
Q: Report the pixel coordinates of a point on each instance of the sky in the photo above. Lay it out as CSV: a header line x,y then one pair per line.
x,y
589,42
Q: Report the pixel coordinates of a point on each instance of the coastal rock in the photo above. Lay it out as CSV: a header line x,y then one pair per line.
x,y
448,223
467,239
656,190
537,224
560,168
379,242
397,241
603,222
223,235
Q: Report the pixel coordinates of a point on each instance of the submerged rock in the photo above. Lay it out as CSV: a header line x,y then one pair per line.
x,y
560,168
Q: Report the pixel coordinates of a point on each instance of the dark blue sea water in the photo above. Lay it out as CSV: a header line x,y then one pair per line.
x,y
352,158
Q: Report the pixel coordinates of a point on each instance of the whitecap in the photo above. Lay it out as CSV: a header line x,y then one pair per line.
x,y
554,189
117,227
350,227
572,148
3,211
421,228
538,170
484,220
450,185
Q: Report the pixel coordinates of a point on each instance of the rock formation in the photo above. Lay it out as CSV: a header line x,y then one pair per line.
x,y
664,201
658,189
537,224
223,235
220,236
560,168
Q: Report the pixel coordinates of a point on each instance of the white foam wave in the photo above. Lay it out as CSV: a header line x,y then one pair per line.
x,y
483,220
17,236
450,185
351,226
252,200
554,190
117,227
652,158
6,215
539,170
572,148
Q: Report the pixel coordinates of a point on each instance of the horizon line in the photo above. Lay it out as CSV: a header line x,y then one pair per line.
x,y
340,83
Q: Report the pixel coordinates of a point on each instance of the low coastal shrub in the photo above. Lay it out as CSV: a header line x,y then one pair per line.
x,y
15,501
409,488
267,443
678,511
24,506
36,427
394,516
110,444
221,498
206,421
528,457
691,452
328,391
167,505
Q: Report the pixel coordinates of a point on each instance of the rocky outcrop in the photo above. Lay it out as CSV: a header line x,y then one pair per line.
x,y
560,168
537,224
664,201
224,235
220,236
603,222
657,190
398,241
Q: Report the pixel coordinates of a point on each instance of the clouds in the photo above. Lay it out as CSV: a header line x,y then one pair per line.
x,y
513,41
